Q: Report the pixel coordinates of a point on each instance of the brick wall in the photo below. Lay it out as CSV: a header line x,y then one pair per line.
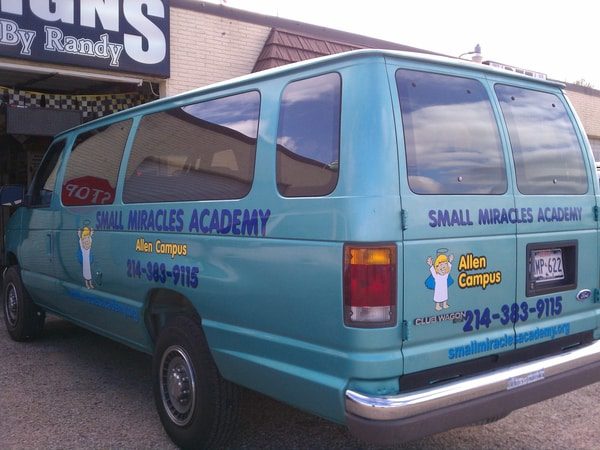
x,y
207,48
586,102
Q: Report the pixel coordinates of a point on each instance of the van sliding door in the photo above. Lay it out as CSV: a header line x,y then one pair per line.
x,y
90,235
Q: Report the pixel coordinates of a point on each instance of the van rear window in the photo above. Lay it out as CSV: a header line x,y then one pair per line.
x,y
203,151
450,134
547,154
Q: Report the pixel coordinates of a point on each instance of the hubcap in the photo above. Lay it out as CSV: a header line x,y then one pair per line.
x,y
11,305
177,385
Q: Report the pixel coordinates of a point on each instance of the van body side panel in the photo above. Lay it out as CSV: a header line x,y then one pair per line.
x,y
115,303
37,253
12,237
262,339
106,303
268,287
288,330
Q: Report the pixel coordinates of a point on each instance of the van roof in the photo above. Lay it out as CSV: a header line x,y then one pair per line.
x,y
314,63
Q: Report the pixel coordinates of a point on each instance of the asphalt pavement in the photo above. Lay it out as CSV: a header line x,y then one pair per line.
x,y
73,389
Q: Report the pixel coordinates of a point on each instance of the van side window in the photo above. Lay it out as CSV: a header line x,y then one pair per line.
x,y
93,166
451,136
42,188
204,151
547,154
308,137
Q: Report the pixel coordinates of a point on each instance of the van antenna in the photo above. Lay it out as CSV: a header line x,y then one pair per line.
x,y
476,54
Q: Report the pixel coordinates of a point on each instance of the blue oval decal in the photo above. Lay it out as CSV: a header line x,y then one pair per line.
x,y
584,295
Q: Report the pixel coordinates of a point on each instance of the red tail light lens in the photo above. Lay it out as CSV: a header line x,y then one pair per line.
x,y
370,285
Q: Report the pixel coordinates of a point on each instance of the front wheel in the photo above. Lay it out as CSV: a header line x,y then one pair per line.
x,y
24,319
197,407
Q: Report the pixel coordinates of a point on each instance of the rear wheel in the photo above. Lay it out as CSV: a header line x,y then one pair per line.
x,y
24,319
197,407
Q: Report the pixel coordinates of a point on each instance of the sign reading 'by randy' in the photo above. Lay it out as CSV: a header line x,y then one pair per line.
x,y
122,35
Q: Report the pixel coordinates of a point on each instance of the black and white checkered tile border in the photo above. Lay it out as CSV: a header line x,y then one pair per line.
x,y
92,106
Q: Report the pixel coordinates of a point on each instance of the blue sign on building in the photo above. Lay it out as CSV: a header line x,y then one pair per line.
x,y
120,35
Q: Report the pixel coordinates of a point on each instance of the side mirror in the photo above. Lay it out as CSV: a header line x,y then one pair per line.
x,y
12,195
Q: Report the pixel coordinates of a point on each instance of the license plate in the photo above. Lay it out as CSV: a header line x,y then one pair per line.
x,y
547,265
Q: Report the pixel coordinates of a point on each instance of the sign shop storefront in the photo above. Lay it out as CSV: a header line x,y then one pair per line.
x,y
118,35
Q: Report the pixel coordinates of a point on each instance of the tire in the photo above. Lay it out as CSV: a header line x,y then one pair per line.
x,y
197,407
24,320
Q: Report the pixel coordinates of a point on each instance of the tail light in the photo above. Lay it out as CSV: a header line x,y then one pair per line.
x,y
370,285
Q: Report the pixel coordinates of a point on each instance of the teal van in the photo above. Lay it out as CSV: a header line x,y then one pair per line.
x,y
399,243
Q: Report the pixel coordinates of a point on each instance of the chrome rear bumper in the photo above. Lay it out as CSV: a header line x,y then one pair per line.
x,y
544,377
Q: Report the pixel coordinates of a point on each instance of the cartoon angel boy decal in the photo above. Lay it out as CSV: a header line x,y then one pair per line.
x,y
85,245
440,277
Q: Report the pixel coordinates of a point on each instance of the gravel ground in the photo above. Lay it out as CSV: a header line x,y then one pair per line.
x,y
72,389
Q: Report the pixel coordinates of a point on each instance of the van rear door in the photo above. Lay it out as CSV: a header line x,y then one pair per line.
x,y
557,249
459,217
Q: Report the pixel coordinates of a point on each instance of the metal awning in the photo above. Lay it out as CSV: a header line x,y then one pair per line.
x,y
62,81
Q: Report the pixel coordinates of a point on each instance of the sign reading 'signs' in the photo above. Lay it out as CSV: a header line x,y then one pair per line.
x,y
123,35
